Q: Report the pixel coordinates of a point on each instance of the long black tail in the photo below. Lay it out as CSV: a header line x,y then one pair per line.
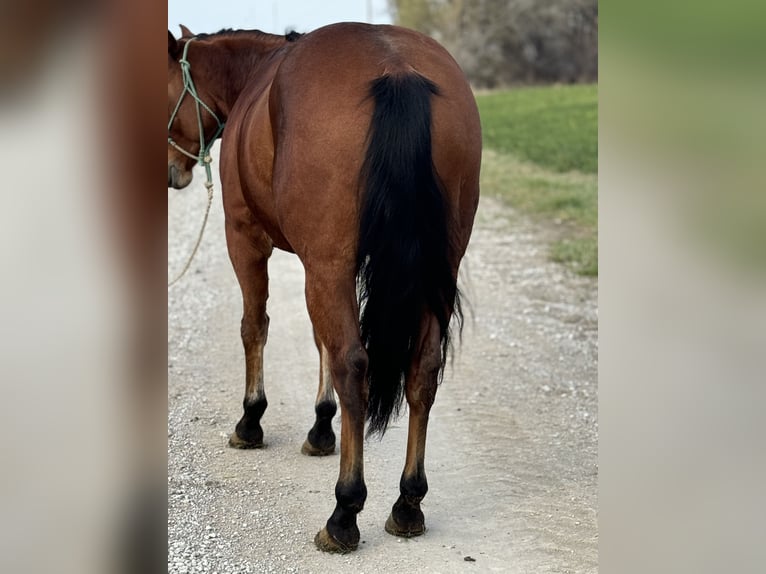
x,y
405,241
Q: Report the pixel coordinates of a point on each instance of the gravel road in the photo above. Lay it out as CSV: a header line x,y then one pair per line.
x,y
512,445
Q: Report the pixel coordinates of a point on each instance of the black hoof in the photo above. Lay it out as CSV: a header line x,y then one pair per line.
x,y
310,450
327,543
404,531
235,441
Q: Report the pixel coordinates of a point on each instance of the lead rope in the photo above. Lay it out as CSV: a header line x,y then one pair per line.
x,y
209,186
204,157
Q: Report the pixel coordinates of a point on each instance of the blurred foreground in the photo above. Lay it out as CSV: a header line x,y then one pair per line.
x,y
82,317
682,245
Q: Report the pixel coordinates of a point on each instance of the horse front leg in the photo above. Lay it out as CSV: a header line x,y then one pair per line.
x,y
249,255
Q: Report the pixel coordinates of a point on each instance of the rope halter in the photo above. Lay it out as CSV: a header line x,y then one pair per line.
x,y
203,157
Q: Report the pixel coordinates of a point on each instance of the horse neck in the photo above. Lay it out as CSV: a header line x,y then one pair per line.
x,y
229,63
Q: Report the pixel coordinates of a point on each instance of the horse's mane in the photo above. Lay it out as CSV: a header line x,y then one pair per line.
x,y
290,36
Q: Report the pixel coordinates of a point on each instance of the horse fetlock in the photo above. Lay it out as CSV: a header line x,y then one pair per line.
x,y
248,433
255,407
350,497
414,488
325,410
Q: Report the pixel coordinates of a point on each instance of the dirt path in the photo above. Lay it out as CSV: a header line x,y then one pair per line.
x,y
512,448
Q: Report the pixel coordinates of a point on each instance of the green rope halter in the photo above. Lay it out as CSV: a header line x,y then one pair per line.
x,y
203,158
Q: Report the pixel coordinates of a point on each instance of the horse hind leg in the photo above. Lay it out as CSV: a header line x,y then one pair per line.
x,y
334,312
321,438
406,518
249,258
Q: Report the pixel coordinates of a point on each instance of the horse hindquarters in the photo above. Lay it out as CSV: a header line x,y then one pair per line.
x,y
403,262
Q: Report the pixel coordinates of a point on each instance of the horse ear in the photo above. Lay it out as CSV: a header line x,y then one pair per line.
x,y
172,45
185,32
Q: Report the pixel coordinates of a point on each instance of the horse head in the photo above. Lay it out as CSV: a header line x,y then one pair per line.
x,y
193,124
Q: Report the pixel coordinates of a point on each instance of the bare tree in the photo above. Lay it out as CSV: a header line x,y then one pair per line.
x,y
500,42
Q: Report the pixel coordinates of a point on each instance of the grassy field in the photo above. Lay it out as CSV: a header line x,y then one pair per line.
x,y
541,152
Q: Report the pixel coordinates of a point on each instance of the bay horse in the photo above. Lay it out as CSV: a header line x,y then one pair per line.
x,y
358,148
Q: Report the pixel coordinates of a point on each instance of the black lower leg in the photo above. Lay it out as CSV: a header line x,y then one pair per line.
x,y
406,516
350,501
321,436
248,431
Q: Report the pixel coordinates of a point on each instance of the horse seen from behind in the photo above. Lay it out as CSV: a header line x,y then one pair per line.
x,y
356,147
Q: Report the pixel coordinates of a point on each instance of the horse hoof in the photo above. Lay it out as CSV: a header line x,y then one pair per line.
x,y
236,442
326,543
392,527
311,450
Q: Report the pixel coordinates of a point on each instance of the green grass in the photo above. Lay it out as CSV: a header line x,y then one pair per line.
x,y
555,127
540,157
581,254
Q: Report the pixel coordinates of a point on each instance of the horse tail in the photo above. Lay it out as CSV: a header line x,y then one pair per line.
x,y
405,241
